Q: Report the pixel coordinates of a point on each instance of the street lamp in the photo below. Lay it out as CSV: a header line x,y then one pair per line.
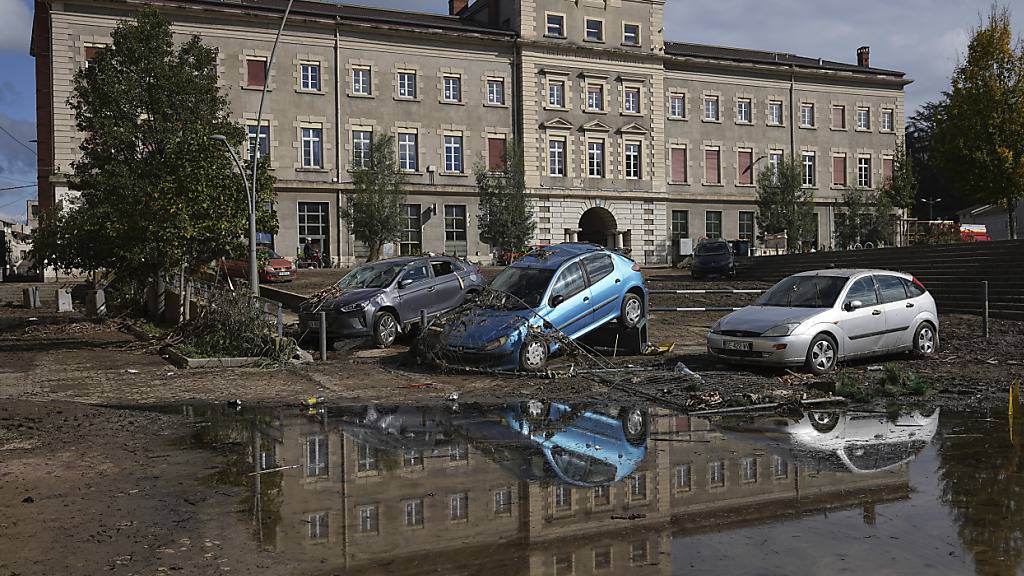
x,y
250,195
931,202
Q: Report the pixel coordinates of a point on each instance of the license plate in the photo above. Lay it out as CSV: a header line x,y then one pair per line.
x,y
284,273
738,345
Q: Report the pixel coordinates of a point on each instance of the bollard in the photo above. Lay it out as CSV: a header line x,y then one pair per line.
x,y
423,319
984,309
64,303
323,336
280,320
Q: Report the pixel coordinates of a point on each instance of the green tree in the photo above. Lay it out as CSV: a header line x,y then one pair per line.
x,y
864,217
900,191
505,219
981,136
784,204
374,212
156,192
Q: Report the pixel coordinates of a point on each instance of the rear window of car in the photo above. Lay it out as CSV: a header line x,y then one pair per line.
x,y
913,290
442,268
598,266
891,288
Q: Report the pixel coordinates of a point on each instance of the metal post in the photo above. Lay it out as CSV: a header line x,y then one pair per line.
x,y
323,336
984,310
280,320
423,319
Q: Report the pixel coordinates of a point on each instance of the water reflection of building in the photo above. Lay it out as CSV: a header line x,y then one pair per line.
x,y
441,501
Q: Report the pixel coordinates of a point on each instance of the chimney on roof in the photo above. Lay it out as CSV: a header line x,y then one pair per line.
x,y
456,6
864,57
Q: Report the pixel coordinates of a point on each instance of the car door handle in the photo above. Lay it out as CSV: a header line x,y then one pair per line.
x,y
910,304
586,299
431,289
876,312
618,280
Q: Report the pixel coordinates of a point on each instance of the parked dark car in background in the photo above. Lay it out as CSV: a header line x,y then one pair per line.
x,y
385,298
713,258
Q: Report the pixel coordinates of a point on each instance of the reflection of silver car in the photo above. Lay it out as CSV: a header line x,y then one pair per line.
x,y
382,299
815,319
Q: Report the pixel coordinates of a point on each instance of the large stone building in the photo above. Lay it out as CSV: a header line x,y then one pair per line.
x,y
629,140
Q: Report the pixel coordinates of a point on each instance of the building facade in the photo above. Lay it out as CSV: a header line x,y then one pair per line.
x,y
629,141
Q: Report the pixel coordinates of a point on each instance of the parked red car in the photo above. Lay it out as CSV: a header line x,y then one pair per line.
x,y
272,267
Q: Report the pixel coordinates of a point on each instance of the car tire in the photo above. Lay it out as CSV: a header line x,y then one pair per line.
x,y
822,355
533,355
634,425
926,340
631,313
823,422
385,329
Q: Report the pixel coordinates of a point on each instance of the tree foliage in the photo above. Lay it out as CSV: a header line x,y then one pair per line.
x,y
374,212
784,205
980,134
156,192
933,181
506,218
864,217
900,191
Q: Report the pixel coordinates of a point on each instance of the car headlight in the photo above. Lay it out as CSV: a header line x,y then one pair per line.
x,y
495,344
354,306
715,327
782,329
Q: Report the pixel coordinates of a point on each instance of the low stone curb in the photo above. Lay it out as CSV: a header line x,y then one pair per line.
x,y
181,361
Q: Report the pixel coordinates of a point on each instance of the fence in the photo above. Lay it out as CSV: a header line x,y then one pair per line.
x,y
700,292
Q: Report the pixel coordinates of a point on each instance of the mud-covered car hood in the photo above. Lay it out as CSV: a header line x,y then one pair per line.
x,y
760,319
481,325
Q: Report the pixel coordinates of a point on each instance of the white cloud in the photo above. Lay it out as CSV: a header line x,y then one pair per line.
x,y
15,25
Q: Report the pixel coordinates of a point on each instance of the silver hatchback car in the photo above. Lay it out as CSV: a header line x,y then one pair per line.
x,y
815,319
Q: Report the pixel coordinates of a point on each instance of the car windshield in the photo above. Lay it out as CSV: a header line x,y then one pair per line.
x,y
712,249
377,275
269,254
804,292
523,287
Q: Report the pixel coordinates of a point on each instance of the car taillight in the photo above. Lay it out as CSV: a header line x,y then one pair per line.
x,y
636,267
917,283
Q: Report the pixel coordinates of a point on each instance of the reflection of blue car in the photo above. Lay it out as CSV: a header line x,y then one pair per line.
x,y
569,288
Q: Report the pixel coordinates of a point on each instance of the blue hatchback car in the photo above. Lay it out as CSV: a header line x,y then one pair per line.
x,y
570,289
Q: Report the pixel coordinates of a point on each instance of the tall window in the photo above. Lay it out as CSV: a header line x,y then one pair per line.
x,y
496,154
683,478
556,93
775,162
631,34
563,497
807,115
263,137
408,151
361,81
309,76
888,120
631,101
744,111
91,52
458,508
459,452
713,224
555,25
366,458
745,166
455,239
775,113
748,469
368,519
407,85
414,513
412,231
780,467
452,89
255,72
595,159
680,224
412,458
712,166
602,495
638,486
453,154
887,169
362,143
556,156
319,527
677,106
503,501
746,225
839,170
315,223
312,147
711,108
678,159
864,172
595,97
496,91
716,474
634,164
316,456
839,117
809,169
595,30
863,118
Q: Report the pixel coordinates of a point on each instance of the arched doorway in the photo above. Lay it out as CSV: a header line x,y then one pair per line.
x,y
598,226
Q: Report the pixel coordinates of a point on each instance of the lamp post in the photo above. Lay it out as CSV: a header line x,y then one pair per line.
x,y
931,202
250,196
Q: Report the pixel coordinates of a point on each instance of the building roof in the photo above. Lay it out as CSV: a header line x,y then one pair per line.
x,y
744,55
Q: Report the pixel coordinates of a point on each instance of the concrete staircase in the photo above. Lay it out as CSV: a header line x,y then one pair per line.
x,y
953,273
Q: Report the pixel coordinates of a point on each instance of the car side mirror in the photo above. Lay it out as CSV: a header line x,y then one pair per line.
x,y
854,305
405,283
556,300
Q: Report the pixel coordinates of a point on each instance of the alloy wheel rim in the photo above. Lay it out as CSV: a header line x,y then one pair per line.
x,y
822,355
926,341
387,329
633,311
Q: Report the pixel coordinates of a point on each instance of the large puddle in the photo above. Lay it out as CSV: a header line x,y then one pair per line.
x,y
547,489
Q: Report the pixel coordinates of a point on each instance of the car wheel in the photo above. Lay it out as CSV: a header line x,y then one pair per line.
x,y
385,329
823,421
926,341
822,355
632,312
533,355
634,425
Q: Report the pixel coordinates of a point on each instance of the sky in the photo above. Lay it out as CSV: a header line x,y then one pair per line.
x,y
923,38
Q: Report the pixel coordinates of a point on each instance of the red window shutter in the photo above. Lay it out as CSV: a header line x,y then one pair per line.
x,y
91,52
496,154
257,72
746,166
887,168
712,174
679,164
839,117
839,171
